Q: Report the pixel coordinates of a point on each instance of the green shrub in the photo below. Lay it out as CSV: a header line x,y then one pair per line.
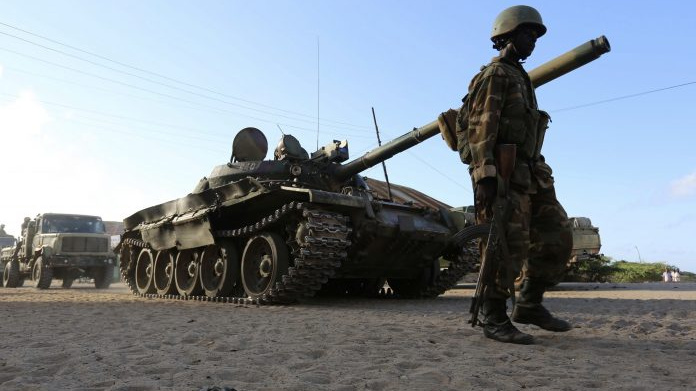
x,y
638,272
686,276
597,269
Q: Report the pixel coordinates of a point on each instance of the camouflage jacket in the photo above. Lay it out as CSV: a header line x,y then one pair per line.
x,y
503,110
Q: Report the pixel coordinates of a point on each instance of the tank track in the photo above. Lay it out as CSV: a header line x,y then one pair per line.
x,y
318,250
464,261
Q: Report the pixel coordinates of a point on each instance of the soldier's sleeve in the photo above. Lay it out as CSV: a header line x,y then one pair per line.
x,y
484,116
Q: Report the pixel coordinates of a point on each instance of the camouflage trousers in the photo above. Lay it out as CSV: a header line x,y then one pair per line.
x,y
539,238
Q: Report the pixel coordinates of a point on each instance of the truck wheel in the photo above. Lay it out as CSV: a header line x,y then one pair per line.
x,y
10,275
41,274
103,277
67,282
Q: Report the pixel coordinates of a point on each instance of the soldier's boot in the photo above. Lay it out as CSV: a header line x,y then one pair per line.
x,y
528,309
497,325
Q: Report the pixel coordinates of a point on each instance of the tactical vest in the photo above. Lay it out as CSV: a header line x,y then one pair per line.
x,y
521,123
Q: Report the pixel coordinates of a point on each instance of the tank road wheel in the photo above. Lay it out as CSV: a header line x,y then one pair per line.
x,y
186,273
143,272
103,277
163,273
264,262
10,275
219,271
41,274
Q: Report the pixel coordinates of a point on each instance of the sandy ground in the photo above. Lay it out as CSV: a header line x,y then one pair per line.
x,y
628,337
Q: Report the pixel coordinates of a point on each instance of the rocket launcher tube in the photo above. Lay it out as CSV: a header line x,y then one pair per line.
x,y
569,61
539,76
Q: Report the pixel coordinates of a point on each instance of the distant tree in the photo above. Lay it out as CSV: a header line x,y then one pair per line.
x,y
606,269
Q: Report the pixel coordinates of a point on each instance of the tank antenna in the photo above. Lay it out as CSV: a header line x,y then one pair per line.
x,y
317,92
281,130
384,165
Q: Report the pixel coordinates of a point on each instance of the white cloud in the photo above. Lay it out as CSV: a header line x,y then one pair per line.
x,y
47,166
22,119
685,186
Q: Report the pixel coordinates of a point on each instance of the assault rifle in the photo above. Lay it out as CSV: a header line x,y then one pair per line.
x,y
496,246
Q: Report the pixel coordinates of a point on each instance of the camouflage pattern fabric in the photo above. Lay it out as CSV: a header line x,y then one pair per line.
x,y
503,110
539,236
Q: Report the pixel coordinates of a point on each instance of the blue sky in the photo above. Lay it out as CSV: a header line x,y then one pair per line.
x,y
110,140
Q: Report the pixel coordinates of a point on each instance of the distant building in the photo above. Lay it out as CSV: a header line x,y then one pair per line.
x,y
115,229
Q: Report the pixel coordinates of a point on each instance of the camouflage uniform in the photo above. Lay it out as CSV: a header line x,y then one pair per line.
x,y
503,110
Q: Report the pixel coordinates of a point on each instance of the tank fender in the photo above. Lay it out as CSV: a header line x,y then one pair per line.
x,y
329,198
189,230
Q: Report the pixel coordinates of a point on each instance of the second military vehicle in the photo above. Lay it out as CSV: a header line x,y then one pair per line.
x,y
586,239
6,241
63,246
282,229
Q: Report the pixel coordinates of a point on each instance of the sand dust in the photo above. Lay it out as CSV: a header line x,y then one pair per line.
x,y
626,337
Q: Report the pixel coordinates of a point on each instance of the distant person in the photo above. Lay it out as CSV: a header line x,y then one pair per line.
x,y
667,276
25,225
676,277
2,230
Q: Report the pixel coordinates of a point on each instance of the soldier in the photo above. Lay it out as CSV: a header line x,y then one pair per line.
x,y
25,225
502,109
2,230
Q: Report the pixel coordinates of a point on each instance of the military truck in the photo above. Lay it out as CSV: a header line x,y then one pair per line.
x,y
586,240
6,241
63,246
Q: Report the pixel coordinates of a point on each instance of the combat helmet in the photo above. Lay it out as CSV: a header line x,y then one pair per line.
x,y
511,18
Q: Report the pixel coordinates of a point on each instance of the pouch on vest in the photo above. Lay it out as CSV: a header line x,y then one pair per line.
x,y
462,130
541,126
543,173
447,122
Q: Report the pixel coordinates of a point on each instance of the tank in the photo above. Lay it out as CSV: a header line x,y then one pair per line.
x,y
275,231
279,230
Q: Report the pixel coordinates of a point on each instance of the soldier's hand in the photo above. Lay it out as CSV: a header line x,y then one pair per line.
x,y
486,191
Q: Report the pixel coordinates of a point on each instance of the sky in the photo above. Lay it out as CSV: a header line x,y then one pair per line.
x,y
108,107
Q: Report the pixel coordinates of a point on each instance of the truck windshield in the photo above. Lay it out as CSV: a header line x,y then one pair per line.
x,y
72,224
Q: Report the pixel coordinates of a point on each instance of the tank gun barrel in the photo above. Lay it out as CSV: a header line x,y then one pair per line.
x,y
569,61
380,154
559,66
